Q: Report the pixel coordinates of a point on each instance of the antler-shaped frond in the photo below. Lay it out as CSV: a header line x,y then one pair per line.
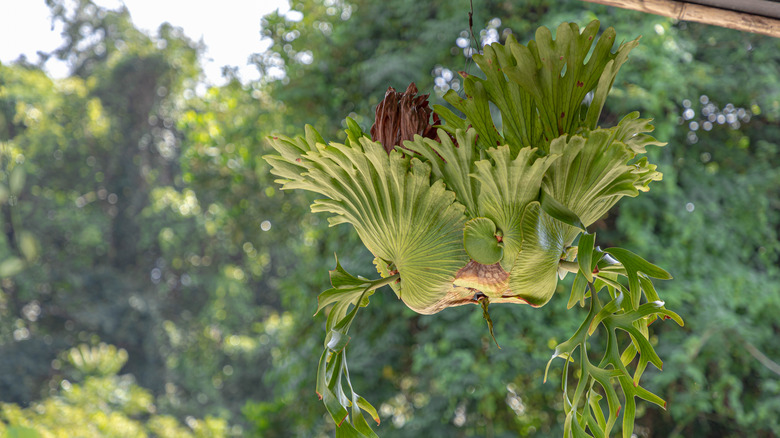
x,y
540,89
596,168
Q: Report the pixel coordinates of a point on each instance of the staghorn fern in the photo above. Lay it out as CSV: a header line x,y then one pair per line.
x,y
468,214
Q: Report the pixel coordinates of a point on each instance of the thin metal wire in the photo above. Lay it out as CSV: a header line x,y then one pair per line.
x,y
469,61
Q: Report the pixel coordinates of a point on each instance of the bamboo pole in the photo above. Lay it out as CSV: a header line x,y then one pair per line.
x,y
702,14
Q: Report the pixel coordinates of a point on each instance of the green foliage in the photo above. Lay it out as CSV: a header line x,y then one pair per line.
x,y
583,408
696,60
508,183
101,404
539,89
347,291
732,277
226,331
387,197
597,170
534,274
403,219
122,250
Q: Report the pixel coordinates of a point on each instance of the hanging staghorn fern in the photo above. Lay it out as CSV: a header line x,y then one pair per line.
x,y
466,214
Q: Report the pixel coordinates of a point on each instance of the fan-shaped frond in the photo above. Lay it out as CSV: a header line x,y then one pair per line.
x,y
414,225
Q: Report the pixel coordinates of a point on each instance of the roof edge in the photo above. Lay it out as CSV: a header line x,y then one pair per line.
x,y
716,16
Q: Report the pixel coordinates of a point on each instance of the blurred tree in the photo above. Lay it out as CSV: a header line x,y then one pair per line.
x,y
103,404
159,229
93,147
156,212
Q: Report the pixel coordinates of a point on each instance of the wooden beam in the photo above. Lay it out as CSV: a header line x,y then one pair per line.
x,y
764,8
702,14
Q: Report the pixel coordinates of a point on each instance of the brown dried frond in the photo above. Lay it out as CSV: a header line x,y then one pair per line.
x,y
402,115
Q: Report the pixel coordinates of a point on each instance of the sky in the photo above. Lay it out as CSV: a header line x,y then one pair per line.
x,y
229,28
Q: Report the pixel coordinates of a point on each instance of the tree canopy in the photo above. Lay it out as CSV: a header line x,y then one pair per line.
x,y
137,212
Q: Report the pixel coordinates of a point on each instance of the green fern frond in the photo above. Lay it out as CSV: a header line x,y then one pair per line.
x,y
400,216
541,88
593,173
534,274
509,182
453,163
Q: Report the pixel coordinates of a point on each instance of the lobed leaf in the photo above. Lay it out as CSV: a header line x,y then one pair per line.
x,y
554,73
453,163
348,291
592,173
519,118
508,184
539,89
633,265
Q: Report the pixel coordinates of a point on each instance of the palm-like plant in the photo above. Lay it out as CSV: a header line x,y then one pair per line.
x,y
469,214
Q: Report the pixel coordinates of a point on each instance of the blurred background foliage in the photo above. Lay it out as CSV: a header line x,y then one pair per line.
x,y
155,282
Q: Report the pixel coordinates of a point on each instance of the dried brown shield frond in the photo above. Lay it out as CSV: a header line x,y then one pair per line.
x,y
401,116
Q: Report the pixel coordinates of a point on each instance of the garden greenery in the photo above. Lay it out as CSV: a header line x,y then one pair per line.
x,y
493,207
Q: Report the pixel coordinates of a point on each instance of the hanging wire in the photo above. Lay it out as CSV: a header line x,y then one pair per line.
x,y
469,61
